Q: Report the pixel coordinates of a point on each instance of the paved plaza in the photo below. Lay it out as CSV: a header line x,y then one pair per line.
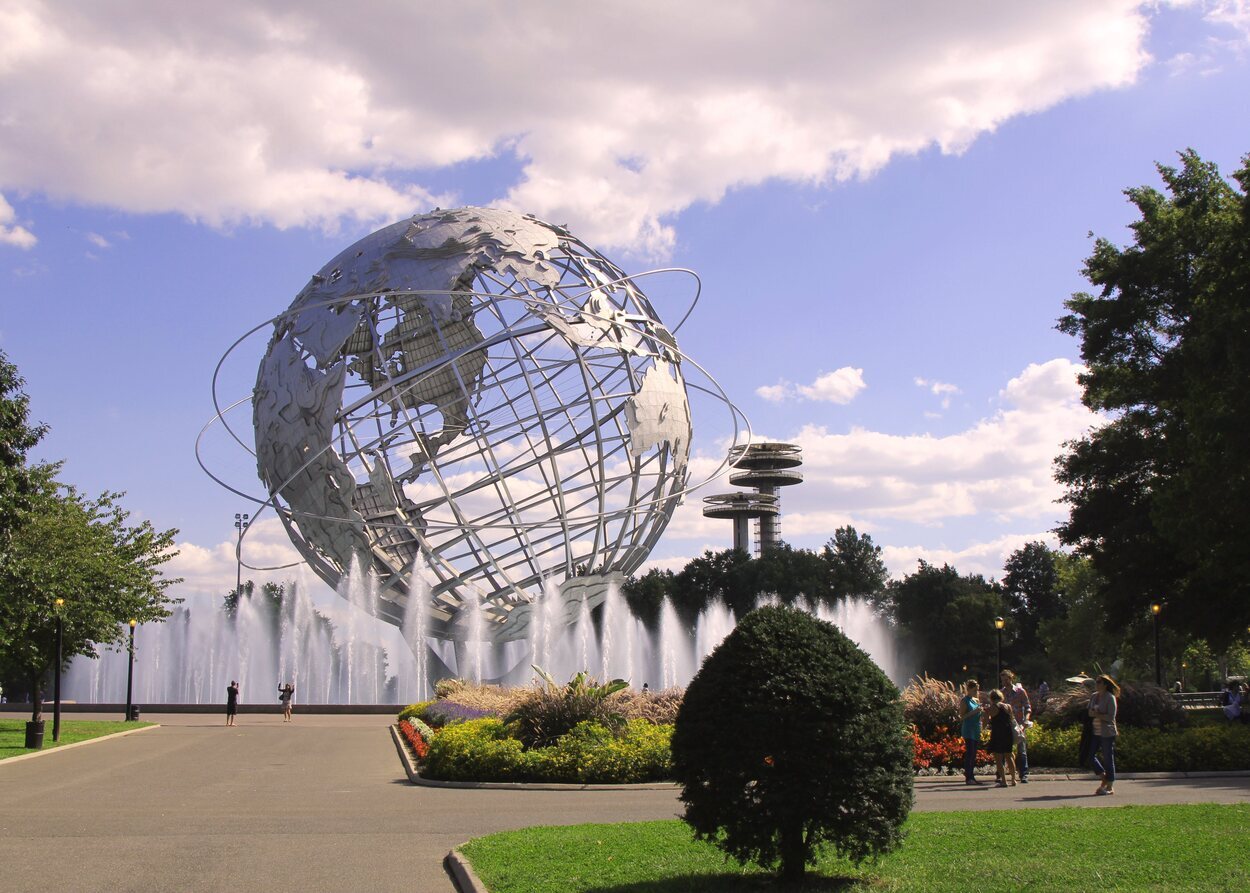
x,y
323,804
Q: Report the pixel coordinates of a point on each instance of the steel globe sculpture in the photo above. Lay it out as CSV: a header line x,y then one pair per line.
x,y
471,405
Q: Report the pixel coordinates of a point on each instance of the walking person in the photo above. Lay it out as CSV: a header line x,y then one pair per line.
x,y
970,729
1102,707
286,694
232,702
1015,695
1002,739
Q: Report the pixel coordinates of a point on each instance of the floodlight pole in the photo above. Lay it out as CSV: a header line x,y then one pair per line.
x,y
56,686
999,623
1155,609
130,673
240,524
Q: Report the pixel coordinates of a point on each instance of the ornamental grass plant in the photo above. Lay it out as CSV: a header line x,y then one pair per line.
x,y
932,707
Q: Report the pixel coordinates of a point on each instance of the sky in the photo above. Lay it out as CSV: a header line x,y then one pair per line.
x,y
887,205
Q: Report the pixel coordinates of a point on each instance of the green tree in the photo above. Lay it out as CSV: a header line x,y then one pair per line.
x,y
83,551
1157,495
729,575
855,565
790,738
645,594
790,573
1079,639
20,482
946,620
1031,589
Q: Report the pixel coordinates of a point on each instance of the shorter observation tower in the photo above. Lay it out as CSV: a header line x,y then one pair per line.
x,y
765,467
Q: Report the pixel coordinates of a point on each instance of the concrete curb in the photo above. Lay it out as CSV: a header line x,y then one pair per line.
x,y
59,748
417,779
462,875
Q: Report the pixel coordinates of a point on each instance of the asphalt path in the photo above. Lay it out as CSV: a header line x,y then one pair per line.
x,y
323,804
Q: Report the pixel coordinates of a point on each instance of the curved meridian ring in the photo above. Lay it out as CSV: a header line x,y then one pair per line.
x,y
479,393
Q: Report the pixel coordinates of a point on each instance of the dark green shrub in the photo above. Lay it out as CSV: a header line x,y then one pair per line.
x,y
789,738
553,710
1201,749
1140,705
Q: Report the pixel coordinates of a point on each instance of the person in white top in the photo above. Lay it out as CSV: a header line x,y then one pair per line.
x,y
1102,707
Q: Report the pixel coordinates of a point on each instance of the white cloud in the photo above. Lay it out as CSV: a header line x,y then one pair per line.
x,y
775,393
1001,467
213,568
939,389
986,559
996,473
322,113
98,240
839,386
10,232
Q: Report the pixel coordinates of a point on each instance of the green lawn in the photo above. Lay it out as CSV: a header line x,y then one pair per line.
x,y
13,733
1200,847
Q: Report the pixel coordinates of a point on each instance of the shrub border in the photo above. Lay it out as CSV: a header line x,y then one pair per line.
x,y
416,778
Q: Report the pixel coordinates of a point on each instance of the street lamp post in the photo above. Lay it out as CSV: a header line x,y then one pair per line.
x,y
1184,666
240,524
999,623
56,686
130,673
1155,608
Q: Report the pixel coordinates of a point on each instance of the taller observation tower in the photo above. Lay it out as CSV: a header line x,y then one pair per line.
x,y
765,467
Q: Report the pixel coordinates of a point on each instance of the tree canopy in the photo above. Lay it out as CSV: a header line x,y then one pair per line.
x,y
60,544
19,481
1157,495
944,619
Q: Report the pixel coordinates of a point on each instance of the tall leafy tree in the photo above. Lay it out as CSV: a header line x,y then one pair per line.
x,y
83,551
1031,589
855,565
789,573
945,619
728,574
1157,495
19,480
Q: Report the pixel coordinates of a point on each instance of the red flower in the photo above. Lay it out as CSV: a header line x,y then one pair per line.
x,y
414,739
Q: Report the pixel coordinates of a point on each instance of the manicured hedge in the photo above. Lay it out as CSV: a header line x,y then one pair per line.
x,y
483,750
1198,749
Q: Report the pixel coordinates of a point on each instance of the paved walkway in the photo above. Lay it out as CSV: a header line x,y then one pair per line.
x,y
322,804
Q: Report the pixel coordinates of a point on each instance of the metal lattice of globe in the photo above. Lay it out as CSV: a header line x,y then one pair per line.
x,y
476,393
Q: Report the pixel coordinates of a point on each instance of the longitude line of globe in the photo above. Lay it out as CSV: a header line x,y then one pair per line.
x,y
600,517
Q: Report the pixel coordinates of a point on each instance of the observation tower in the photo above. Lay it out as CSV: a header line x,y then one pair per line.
x,y
765,467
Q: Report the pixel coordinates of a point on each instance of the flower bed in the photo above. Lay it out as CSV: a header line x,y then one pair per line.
x,y
945,756
417,741
579,733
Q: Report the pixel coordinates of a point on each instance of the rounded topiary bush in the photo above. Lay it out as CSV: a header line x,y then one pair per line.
x,y
789,738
